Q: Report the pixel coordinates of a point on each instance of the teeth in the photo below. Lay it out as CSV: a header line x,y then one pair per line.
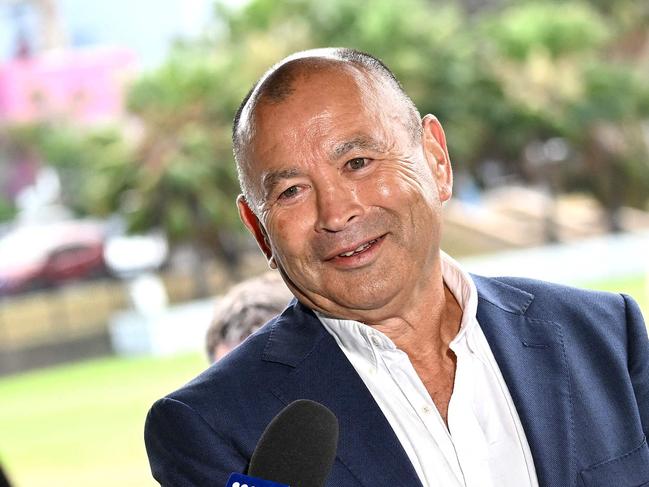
x,y
359,249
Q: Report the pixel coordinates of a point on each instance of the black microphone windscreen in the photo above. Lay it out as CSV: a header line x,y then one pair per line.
x,y
298,447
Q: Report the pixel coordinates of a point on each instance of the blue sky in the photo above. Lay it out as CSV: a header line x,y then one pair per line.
x,y
146,26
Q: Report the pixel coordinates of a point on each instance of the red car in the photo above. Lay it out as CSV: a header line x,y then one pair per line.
x,y
38,256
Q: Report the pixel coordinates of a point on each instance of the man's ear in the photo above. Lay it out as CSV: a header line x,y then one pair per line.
x,y
253,224
434,141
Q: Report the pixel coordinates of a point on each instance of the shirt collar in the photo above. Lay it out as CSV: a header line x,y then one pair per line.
x,y
463,288
363,339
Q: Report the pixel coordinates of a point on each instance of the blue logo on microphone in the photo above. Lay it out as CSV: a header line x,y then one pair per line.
x,y
240,480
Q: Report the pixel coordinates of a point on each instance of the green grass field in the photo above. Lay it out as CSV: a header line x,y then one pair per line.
x,y
81,424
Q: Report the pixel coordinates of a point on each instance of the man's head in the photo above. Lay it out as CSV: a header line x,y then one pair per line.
x,y
343,182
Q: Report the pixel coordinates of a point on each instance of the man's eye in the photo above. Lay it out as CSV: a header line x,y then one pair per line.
x,y
289,193
357,163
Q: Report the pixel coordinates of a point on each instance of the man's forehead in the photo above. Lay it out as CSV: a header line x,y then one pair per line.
x,y
326,106
299,93
317,107
325,142
339,145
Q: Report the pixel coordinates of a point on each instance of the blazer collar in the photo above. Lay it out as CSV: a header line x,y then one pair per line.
x,y
293,335
501,295
297,330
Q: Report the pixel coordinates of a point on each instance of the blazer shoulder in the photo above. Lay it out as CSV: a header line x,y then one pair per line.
x,y
561,303
253,368
550,294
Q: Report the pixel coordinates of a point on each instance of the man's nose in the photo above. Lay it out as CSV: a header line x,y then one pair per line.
x,y
338,205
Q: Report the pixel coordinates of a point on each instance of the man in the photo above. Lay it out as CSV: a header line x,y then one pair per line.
x,y
243,310
437,378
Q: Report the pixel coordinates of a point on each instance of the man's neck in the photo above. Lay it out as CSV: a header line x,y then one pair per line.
x,y
426,339
427,325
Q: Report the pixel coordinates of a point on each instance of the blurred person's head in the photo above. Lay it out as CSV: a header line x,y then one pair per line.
x,y
343,183
243,310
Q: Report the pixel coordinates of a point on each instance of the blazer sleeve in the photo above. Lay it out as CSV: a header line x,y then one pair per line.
x,y
184,450
638,346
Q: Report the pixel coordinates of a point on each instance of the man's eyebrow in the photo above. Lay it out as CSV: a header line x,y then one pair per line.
x,y
360,142
272,179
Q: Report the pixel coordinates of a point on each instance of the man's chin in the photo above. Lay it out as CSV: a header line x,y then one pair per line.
x,y
344,296
358,307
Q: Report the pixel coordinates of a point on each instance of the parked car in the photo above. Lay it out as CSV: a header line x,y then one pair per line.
x,y
46,255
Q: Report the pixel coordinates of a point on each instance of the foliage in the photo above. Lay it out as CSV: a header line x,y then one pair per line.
x,y
502,80
521,29
86,161
182,174
570,69
498,80
184,180
429,49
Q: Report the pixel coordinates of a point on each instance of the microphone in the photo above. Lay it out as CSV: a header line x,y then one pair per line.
x,y
297,449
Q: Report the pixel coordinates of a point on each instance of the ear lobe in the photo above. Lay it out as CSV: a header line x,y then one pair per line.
x,y
255,227
434,141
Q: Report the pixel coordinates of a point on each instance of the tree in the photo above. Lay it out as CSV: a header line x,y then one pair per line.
x,y
503,76
181,176
565,70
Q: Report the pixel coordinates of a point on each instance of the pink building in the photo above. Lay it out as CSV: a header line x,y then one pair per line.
x,y
85,85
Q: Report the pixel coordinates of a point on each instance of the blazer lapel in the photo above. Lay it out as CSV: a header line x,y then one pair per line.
x,y
532,358
367,445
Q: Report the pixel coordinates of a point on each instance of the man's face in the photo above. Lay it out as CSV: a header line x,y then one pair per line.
x,y
348,203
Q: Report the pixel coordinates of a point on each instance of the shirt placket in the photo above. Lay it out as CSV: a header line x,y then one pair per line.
x,y
466,431
398,367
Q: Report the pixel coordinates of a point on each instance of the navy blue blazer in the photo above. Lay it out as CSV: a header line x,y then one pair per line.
x,y
576,364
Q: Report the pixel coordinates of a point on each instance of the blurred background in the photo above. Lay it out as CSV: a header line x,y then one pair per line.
x,y
118,229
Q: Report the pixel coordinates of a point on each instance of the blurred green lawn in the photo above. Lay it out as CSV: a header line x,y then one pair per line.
x,y
81,424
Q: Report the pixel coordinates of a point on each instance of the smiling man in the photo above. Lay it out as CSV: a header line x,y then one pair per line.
x,y
438,378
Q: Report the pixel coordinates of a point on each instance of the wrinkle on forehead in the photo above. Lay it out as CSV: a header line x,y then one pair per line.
x,y
361,141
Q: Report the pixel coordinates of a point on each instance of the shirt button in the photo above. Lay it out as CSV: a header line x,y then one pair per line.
x,y
427,409
376,341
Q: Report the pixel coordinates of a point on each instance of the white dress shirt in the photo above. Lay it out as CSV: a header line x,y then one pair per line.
x,y
484,444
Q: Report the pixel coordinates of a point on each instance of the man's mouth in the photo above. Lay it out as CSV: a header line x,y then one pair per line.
x,y
359,249
364,247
